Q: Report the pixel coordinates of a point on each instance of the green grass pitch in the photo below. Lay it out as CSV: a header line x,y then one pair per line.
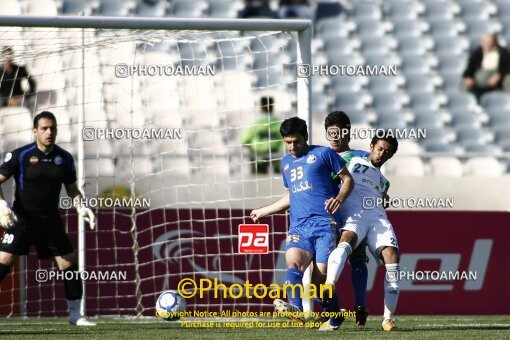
x,y
411,327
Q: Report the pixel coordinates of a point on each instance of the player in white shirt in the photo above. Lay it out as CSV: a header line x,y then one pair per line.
x,y
364,216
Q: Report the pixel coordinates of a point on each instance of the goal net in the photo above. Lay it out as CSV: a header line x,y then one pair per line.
x,y
175,143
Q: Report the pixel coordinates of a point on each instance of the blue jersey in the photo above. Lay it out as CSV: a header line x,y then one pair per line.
x,y
308,179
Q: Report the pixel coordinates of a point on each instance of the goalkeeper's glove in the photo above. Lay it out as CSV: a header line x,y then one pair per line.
x,y
7,217
87,215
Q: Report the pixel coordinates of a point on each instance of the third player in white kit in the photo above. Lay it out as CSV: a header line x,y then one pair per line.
x,y
364,216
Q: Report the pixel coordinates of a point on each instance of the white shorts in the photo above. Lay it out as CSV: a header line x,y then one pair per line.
x,y
375,227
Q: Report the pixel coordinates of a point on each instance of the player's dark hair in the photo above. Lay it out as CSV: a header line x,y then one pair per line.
x,y
338,118
267,104
387,136
294,126
44,114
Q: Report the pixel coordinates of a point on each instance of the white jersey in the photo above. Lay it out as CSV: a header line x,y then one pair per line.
x,y
369,186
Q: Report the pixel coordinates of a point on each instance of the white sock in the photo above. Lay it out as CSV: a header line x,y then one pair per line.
x,y
74,308
391,290
336,262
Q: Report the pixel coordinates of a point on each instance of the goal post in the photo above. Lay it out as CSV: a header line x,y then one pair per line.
x,y
197,180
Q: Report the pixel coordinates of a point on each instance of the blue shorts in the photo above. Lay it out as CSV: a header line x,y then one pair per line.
x,y
315,235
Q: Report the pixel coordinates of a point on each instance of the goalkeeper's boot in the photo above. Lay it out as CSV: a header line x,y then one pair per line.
x,y
81,321
289,311
388,325
361,315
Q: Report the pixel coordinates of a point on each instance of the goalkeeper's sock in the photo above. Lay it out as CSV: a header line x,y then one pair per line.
x,y
391,290
294,277
336,262
4,270
74,309
73,287
359,280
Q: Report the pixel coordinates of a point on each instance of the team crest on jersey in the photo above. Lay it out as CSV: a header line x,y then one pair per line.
x,y
311,159
58,160
8,157
34,160
286,168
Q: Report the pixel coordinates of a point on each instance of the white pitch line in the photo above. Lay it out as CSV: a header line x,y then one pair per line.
x,y
466,325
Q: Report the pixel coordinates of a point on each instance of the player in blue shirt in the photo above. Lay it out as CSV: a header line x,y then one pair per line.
x,y
314,201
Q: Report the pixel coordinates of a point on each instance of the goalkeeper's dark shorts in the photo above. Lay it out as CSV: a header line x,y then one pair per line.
x,y
48,235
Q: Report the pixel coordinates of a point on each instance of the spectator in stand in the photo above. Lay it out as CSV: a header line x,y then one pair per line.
x,y
11,76
488,67
257,9
290,9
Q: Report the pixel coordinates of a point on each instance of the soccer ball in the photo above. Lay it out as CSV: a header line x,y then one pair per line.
x,y
169,304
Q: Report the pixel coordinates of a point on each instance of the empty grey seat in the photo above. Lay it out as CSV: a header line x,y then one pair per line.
x,y
339,58
231,48
412,46
451,82
186,8
424,101
370,28
495,99
371,45
485,149
428,121
332,27
500,119
387,101
407,28
419,84
366,10
466,121
452,65
390,122
402,10
357,117
338,45
437,136
382,84
348,101
461,100
414,65
114,8
443,148
74,7
474,10
270,77
265,60
222,9
439,10
263,43
319,103
470,135
478,27
448,46
502,135
443,28
157,9
349,84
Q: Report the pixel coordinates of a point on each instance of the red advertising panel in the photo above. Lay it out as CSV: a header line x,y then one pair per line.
x,y
169,245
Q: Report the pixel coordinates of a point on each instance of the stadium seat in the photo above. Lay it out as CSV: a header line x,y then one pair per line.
x,y
187,8
412,46
42,7
424,101
451,65
443,149
446,166
75,7
10,7
402,10
495,100
474,10
438,136
156,10
390,122
348,101
483,167
328,10
119,8
427,121
363,10
461,100
439,10
387,102
383,85
348,84
471,135
443,28
415,65
406,166
375,45
407,28
370,28
451,82
484,149
419,84
499,119
223,9
466,121
338,45
408,147
332,27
